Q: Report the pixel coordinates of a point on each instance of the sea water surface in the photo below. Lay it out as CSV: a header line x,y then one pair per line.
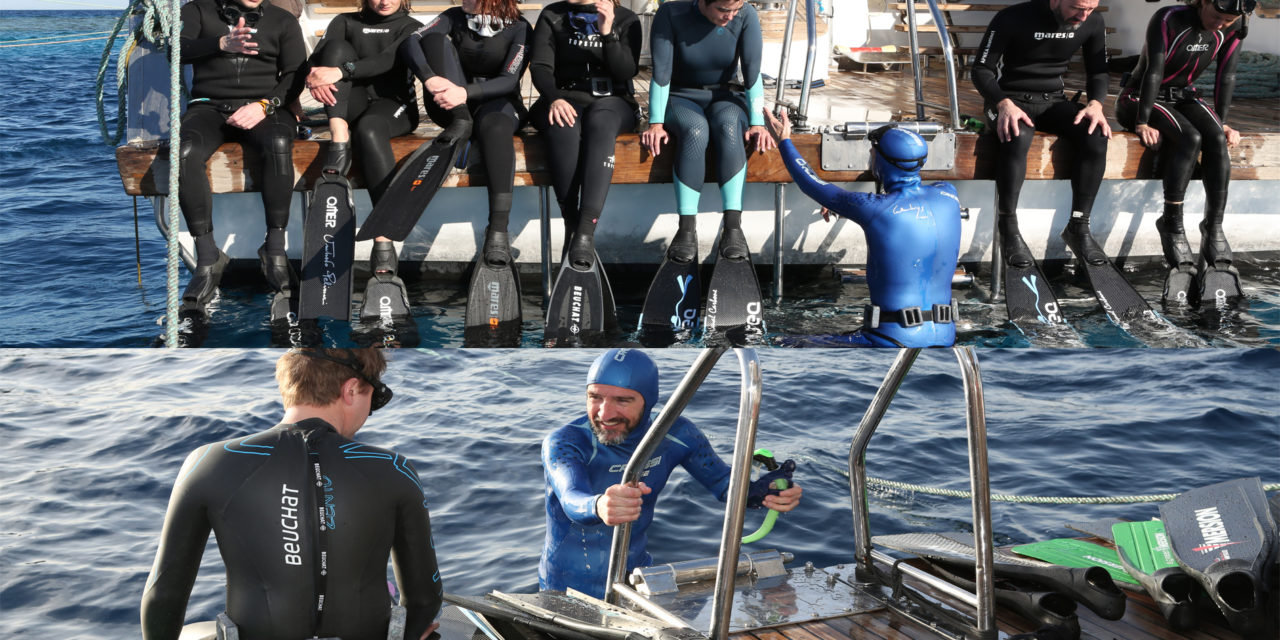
x,y
93,439
80,270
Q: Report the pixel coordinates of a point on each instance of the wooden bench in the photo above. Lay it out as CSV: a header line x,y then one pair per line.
x,y
143,171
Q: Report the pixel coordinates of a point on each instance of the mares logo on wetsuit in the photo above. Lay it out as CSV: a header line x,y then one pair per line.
x,y
289,525
1054,35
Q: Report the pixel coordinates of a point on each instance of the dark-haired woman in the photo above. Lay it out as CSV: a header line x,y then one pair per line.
x,y
364,86
470,60
584,56
1159,104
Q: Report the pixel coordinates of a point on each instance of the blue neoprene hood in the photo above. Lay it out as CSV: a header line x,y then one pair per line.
x,y
629,369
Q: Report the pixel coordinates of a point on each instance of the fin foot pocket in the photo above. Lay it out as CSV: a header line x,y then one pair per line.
x,y
733,245
1219,279
684,247
497,248
277,270
204,282
1082,243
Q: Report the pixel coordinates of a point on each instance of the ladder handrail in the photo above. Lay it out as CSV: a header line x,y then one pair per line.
x,y
979,481
947,56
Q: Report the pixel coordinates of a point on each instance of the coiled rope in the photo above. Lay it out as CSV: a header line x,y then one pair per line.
x,y
954,493
1257,76
160,25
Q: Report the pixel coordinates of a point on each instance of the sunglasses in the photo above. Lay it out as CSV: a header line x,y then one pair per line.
x,y
231,14
381,392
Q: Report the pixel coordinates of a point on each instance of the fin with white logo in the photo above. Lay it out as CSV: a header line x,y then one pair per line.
x,y
1032,306
734,306
579,307
385,319
1223,535
1119,300
328,250
1144,550
670,308
411,190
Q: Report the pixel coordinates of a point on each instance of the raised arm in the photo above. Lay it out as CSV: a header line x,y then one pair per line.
x,y
182,542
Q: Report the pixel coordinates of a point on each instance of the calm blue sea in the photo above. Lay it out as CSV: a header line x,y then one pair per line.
x,y
70,262
93,439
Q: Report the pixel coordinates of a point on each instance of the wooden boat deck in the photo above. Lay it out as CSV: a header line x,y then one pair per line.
x,y
882,95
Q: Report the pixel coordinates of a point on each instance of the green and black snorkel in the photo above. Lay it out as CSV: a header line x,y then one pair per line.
x,y
776,478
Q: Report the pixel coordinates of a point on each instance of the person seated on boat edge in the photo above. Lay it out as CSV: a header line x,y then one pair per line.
x,y
244,57
470,60
583,463
326,577
913,240
1018,71
357,74
697,48
584,56
1160,104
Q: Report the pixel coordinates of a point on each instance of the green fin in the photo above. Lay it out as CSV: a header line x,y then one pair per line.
x,y
1070,552
1145,545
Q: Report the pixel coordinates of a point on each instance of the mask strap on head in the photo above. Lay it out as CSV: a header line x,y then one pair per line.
x,y
381,392
906,164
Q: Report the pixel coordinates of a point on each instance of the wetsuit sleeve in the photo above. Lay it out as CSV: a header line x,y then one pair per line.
x,y
413,555
382,61
566,471
1225,82
335,32
182,542
1157,42
507,82
847,204
542,58
750,47
622,55
293,53
411,48
985,64
662,49
195,47
704,464
1097,75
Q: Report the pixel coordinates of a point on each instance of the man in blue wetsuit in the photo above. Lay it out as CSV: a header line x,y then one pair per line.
x,y
913,240
303,558
583,463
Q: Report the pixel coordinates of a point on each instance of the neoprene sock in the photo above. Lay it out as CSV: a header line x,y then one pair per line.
x,y
689,223
1171,221
206,250
1215,205
275,241
732,219
499,211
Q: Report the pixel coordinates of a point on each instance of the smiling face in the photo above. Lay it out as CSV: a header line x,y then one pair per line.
x,y
1072,13
614,412
720,12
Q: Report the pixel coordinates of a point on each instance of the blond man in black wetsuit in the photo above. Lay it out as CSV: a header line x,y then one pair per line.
x,y
305,514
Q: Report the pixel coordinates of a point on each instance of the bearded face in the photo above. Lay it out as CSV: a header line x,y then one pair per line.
x,y
614,412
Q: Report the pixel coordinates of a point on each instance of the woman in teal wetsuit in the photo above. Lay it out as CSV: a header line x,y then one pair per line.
x,y
697,48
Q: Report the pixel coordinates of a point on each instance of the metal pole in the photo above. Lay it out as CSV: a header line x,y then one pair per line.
x,y
949,63
913,40
657,431
175,169
811,10
858,449
779,207
544,212
786,53
980,486
736,502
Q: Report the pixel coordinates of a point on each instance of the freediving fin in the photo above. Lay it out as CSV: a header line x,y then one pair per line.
x,y
385,318
1092,586
1218,278
1144,550
1180,281
671,305
1072,552
1223,536
328,250
1027,295
193,326
410,191
733,296
1045,607
493,315
1118,299
578,305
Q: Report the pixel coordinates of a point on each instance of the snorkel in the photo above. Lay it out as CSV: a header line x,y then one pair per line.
x,y
777,479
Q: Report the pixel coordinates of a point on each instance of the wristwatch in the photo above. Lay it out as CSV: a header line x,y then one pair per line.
x,y
348,69
269,106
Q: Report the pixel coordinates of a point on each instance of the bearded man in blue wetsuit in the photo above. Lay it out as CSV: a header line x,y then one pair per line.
x,y
583,463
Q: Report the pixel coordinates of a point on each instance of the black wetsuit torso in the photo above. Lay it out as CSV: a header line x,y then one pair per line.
x,y
260,496
491,65
217,75
571,61
375,40
1023,57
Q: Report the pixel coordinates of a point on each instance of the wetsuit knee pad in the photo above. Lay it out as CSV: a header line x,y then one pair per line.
x,y
278,153
335,52
630,369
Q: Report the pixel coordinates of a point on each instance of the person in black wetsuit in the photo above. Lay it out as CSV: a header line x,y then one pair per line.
x,y
1018,71
357,75
470,60
244,55
584,55
1159,104
304,557
697,48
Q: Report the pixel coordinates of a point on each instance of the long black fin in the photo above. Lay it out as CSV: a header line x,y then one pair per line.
x,y
385,318
578,306
1118,299
328,251
734,303
1044,607
410,191
1031,304
671,305
1223,535
493,317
